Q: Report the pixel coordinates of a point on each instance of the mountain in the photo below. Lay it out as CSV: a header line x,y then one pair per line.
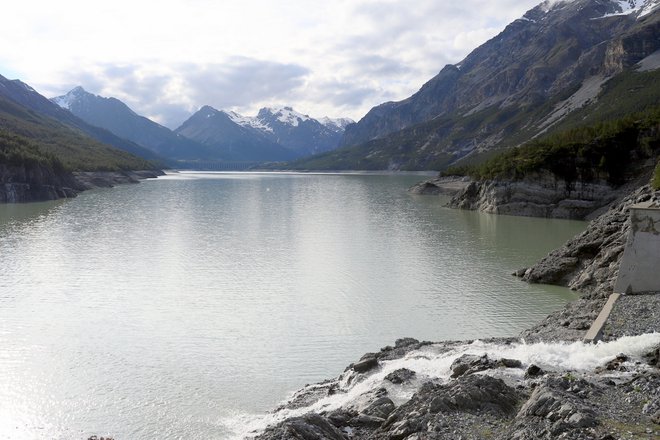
x,y
22,94
300,133
28,137
233,141
535,76
272,135
338,125
115,116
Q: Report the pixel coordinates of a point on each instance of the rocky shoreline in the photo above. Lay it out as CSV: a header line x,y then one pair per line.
x,y
544,384
494,389
34,183
538,195
39,183
108,179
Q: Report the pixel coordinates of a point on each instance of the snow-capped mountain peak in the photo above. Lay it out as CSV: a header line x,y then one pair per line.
x,y
65,101
297,132
247,121
639,8
338,123
285,115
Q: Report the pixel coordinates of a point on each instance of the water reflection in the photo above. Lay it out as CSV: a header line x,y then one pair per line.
x,y
170,305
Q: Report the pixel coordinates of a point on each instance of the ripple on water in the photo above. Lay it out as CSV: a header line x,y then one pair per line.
x,y
169,306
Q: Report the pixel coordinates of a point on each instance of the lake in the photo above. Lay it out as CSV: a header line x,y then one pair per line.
x,y
182,306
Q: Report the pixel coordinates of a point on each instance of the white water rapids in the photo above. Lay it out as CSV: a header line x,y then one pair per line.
x,y
433,363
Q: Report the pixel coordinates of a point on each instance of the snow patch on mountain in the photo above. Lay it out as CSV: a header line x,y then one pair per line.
x,y
636,8
25,86
549,5
65,101
248,121
284,115
288,116
336,124
640,8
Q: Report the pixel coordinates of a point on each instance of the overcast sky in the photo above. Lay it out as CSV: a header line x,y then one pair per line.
x,y
167,58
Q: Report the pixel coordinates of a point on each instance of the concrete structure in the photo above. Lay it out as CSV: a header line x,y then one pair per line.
x,y
639,271
596,329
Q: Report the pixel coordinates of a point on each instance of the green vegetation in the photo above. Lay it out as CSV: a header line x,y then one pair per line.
x,y
627,93
606,150
19,151
656,178
28,136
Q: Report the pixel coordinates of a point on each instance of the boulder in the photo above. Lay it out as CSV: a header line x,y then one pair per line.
x,y
366,363
307,427
380,408
469,363
402,375
534,371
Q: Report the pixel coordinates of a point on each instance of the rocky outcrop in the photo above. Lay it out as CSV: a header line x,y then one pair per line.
x,y
108,179
440,185
536,196
308,427
589,262
38,183
495,401
35,183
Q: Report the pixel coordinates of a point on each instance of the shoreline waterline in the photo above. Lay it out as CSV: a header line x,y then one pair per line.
x,y
277,282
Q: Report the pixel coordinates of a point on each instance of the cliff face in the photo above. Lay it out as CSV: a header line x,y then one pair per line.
x,y
537,196
35,183
590,262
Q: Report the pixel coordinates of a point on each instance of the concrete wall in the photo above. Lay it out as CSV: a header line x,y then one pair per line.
x,y
640,267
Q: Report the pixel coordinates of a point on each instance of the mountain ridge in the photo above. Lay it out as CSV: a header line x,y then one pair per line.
x,y
27,97
274,134
501,88
117,117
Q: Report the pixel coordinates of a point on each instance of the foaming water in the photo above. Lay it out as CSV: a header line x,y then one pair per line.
x,y
432,363
167,308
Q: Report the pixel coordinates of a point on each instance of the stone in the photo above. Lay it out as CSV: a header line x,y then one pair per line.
x,y
405,342
475,393
653,357
402,375
368,362
655,418
340,417
468,364
402,429
366,420
380,408
308,427
581,420
615,364
520,272
534,371
510,363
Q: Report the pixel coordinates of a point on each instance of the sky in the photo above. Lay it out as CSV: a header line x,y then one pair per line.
x,y
167,58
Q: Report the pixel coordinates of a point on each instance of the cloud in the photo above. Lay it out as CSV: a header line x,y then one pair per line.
x,y
336,58
171,94
243,81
